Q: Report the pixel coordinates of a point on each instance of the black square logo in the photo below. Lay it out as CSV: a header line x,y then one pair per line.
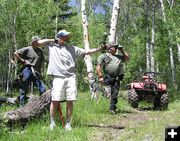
x,y
172,133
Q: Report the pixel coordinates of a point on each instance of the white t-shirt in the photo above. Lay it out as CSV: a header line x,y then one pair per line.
x,y
62,60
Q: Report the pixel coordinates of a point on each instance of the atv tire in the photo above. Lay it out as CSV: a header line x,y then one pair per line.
x,y
133,98
161,103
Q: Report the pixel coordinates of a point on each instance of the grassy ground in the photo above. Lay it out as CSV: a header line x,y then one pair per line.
x,y
92,121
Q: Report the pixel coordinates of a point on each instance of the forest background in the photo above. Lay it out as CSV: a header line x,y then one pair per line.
x,y
143,25
22,19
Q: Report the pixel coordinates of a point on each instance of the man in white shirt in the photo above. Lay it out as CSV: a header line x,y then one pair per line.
x,y
62,60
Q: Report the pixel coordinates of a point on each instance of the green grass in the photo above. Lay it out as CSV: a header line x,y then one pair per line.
x,y
95,112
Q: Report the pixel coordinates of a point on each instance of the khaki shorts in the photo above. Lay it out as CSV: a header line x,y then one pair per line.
x,y
64,89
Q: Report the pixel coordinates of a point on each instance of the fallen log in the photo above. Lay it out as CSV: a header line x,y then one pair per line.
x,y
31,110
8,100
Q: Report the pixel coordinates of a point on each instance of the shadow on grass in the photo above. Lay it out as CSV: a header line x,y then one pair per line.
x,y
124,111
146,109
106,126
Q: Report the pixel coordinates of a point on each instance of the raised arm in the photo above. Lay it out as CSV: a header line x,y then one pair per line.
x,y
94,50
125,54
43,42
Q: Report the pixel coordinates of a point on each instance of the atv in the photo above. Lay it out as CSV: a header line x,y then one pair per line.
x,y
148,90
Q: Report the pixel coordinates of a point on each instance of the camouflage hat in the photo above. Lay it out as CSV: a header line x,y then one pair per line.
x,y
35,38
120,46
112,44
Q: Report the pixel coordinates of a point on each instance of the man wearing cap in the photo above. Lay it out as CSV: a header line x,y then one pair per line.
x,y
62,61
110,71
31,57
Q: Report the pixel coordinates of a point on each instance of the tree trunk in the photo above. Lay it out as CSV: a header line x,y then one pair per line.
x,y
87,58
170,46
14,43
171,3
178,45
9,72
152,39
14,40
114,21
147,38
34,109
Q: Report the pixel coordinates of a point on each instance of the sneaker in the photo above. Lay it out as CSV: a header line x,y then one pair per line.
x,y
113,112
68,127
52,126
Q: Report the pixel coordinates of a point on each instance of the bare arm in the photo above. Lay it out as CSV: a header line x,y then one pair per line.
x,y
125,54
45,41
19,57
99,72
92,51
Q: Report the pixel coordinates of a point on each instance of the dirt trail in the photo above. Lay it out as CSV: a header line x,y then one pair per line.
x,y
113,131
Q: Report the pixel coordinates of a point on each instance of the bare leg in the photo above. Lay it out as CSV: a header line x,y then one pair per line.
x,y
61,114
69,110
53,108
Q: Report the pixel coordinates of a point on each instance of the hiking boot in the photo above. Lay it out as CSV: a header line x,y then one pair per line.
x,y
68,127
113,112
52,126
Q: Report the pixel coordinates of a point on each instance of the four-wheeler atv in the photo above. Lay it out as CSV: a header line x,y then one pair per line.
x,y
149,90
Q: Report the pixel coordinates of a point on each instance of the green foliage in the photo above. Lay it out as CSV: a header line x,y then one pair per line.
x,y
25,18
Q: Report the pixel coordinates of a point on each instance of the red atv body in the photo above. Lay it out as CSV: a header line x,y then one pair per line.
x,y
149,90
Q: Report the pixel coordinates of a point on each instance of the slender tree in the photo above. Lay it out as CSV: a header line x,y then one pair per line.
x,y
178,46
170,46
87,58
114,21
152,45
147,36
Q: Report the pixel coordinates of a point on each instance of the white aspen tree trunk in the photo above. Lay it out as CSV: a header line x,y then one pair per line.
x,y
9,54
147,38
56,22
14,41
87,58
172,65
152,39
147,50
157,67
9,72
170,46
171,3
178,46
114,20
